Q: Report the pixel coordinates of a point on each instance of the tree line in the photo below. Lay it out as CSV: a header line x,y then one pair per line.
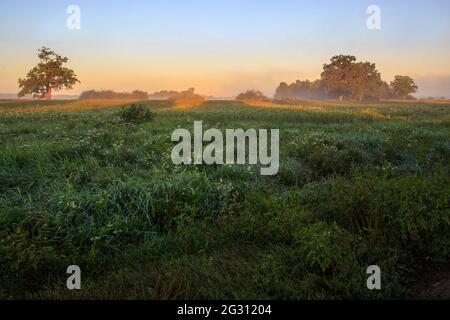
x,y
346,78
109,94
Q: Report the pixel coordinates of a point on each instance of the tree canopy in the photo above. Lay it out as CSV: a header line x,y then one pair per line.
x,y
301,90
344,77
48,75
403,86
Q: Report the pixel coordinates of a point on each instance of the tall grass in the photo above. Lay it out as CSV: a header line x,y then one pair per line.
x,y
354,189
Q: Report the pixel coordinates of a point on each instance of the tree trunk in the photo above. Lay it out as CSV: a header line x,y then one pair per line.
x,y
48,94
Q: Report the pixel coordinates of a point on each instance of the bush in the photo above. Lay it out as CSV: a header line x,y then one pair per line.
x,y
324,247
136,113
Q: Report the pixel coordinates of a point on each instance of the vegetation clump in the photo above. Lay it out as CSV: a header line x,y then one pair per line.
x,y
252,95
136,113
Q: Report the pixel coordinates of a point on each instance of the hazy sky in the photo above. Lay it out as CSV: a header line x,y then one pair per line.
x,y
222,47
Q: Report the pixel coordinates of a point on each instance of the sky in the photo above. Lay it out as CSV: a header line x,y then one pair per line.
x,y
223,47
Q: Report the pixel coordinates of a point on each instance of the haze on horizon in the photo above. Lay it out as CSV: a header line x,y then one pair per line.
x,y
223,47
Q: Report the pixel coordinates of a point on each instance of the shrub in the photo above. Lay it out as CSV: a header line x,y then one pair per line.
x,y
324,247
136,113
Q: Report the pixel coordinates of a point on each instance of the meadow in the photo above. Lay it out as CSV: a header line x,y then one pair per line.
x,y
358,185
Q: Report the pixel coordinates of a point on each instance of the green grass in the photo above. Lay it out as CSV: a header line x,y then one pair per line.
x,y
358,185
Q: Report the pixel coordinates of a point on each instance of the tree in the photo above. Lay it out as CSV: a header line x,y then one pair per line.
x,y
344,77
366,83
139,95
48,75
283,91
403,86
301,90
187,98
251,95
337,76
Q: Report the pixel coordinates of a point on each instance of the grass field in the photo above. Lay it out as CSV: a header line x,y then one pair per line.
x,y
359,184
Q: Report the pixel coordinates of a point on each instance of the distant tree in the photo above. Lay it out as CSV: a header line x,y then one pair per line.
x,y
139,95
283,91
344,77
187,98
384,91
48,75
109,94
337,76
366,83
251,95
403,86
163,94
301,90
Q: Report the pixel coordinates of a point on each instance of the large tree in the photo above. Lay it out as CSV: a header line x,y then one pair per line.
x,y
337,76
403,86
344,77
47,76
367,81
